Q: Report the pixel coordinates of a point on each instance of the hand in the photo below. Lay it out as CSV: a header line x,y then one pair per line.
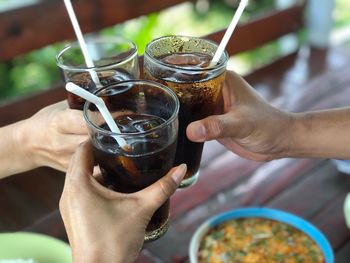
x,y
50,137
103,225
249,126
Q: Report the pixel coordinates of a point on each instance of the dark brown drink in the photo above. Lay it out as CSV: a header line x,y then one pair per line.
x,y
112,60
142,149
198,88
84,80
128,173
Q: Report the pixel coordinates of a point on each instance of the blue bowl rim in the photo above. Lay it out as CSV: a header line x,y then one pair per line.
x,y
262,212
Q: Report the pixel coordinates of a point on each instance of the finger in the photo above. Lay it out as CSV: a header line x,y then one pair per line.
x,y
233,79
65,152
63,104
156,194
97,174
81,164
212,127
241,90
72,121
70,142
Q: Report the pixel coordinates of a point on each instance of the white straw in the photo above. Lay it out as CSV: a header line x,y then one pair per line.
x,y
100,104
88,61
228,32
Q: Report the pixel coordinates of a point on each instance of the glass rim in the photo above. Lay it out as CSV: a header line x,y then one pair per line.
x,y
134,82
102,39
222,62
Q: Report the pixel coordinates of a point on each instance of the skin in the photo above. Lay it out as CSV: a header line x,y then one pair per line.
x,y
103,225
254,129
48,138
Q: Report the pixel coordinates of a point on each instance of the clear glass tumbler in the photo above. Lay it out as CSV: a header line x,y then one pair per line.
x,y
115,59
182,64
146,114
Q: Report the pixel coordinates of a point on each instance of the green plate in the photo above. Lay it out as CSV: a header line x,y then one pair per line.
x,y
40,248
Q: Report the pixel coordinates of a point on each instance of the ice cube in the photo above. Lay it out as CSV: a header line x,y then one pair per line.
x,y
125,125
145,125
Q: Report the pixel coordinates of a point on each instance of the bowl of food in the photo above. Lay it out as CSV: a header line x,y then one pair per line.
x,y
259,235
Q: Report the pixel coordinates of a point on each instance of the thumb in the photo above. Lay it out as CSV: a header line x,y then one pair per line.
x,y
156,194
210,128
81,164
72,122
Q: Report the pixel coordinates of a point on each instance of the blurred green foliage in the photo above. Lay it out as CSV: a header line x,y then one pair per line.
x,y
37,70
29,73
341,13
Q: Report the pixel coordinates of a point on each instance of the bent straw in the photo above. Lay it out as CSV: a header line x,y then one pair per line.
x,y
228,33
88,61
100,104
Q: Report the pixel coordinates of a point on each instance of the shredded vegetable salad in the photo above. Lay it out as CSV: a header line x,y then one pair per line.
x,y
259,240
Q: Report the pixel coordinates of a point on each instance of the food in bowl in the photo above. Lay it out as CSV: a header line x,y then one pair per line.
x,y
262,213
257,240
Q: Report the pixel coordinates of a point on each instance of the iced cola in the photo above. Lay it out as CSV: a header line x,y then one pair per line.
x,y
114,59
182,64
146,115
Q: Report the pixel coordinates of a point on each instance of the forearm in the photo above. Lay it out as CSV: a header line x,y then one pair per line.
x,y
101,256
15,156
106,253
321,134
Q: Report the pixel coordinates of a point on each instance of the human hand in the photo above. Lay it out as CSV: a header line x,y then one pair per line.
x,y
50,137
249,126
103,225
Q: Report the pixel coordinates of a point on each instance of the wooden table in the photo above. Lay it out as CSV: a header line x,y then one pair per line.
x,y
310,188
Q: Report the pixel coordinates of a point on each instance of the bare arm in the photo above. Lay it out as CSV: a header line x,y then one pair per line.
x,y
13,155
48,138
254,129
324,134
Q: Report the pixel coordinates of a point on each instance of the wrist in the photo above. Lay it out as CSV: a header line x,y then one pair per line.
x,y
13,155
103,252
92,255
23,144
302,142
322,134
284,135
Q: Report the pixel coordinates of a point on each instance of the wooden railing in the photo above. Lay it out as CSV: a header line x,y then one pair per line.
x,y
32,27
35,26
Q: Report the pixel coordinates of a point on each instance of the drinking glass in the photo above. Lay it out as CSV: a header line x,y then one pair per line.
x,y
182,64
114,59
146,114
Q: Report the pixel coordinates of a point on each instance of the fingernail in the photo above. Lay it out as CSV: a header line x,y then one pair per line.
x,y
198,132
179,173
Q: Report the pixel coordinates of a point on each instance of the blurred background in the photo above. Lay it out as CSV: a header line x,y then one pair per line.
x,y
29,73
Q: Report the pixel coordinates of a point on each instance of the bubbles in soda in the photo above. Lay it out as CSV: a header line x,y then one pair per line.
x,y
191,63
198,89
